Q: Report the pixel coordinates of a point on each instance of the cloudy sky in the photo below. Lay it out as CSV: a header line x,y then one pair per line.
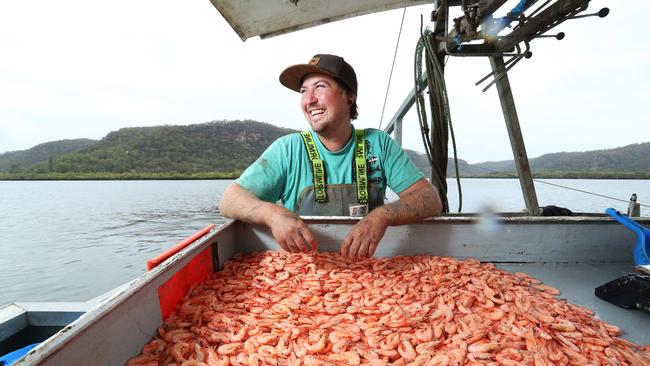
x,y
83,68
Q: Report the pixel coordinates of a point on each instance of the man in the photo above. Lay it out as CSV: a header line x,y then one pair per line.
x,y
331,170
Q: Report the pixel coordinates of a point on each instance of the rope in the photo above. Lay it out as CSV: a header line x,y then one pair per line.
x,y
422,119
587,192
440,117
390,77
551,184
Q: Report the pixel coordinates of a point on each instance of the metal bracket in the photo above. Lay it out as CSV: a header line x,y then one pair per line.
x,y
508,65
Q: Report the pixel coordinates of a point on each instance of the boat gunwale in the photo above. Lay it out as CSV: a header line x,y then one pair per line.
x,y
510,218
51,346
48,347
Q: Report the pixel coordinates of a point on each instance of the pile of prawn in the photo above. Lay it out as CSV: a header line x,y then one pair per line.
x,y
279,308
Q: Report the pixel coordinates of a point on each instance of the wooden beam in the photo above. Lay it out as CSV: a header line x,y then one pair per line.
x,y
516,138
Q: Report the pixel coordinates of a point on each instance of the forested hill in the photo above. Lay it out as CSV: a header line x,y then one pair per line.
x,y
43,153
218,146
630,158
225,148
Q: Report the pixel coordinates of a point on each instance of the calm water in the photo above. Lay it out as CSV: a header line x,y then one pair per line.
x,y
74,240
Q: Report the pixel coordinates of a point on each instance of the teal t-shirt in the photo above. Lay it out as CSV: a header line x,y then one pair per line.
x,y
283,171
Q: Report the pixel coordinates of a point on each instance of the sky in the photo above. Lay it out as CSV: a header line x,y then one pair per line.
x,y
84,68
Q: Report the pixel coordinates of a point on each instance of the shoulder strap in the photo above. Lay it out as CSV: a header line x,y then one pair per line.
x,y
360,166
317,166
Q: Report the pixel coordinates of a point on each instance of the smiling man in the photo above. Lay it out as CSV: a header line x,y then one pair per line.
x,y
332,169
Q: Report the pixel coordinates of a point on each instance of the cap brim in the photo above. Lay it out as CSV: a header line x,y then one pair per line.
x,y
292,76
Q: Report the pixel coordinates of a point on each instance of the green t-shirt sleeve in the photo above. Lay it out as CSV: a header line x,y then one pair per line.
x,y
267,176
399,170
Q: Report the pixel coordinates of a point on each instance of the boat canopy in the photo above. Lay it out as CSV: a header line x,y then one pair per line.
x,y
267,18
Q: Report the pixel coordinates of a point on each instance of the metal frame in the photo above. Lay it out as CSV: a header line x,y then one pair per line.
x,y
395,123
534,26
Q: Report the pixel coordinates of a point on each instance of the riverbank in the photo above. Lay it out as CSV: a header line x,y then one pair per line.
x,y
566,175
235,174
120,176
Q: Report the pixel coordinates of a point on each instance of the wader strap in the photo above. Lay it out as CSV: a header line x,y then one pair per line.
x,y
360,166
317,167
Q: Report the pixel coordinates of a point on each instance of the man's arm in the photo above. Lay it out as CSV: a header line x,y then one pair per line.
x,y
417,202
287,228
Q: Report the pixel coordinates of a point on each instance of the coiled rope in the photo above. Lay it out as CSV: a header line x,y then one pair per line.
x,y
437,150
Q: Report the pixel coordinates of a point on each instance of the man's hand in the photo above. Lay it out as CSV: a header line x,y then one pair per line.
x,y
287,228
292,233
415,203
364,237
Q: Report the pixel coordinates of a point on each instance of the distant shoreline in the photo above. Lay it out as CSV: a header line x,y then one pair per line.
x,y
565,175
235,175
119,176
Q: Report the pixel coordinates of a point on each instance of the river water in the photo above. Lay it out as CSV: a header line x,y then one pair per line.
x,y
74,240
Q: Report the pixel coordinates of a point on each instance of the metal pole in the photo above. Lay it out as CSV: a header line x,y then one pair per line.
x,y
516,139
396,121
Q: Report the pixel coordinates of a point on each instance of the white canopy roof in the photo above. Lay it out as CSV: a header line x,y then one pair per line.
x,y
267,18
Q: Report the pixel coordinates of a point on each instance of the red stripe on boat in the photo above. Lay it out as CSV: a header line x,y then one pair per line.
x,y
153,263
172,291
197,270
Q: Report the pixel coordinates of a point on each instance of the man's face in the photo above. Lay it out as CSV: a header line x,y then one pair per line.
x,y
324,103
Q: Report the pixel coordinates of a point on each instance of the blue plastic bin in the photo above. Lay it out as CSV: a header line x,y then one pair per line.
x,y
14,356
643,237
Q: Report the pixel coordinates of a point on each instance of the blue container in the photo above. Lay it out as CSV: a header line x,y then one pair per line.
x,y
14,356
642,246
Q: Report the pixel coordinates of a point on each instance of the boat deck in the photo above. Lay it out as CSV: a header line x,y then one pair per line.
x,y
577,282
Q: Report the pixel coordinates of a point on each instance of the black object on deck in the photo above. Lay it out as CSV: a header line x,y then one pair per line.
x,y
632,291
